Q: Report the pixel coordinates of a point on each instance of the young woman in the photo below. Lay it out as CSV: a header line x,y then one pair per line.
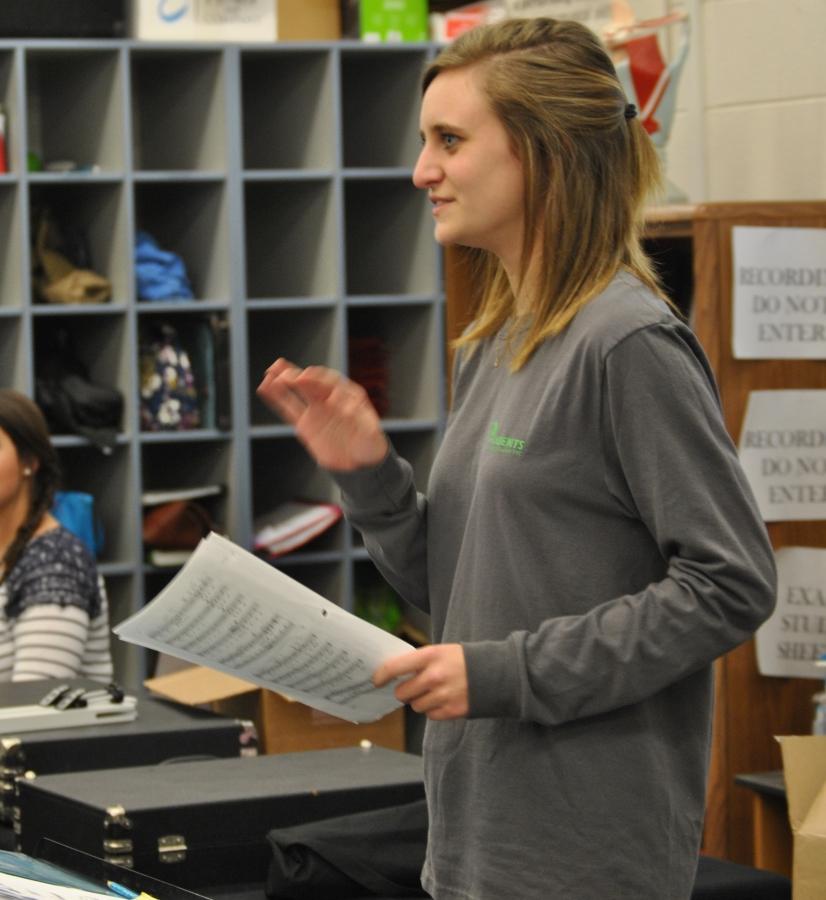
x,y
588,544
54,619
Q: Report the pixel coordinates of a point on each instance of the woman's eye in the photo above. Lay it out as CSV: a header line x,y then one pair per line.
x,y
449,140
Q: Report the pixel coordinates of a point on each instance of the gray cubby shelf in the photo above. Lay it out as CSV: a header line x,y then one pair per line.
x,y
281,174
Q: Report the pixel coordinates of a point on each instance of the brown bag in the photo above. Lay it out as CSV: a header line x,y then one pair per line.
x,y
177,525
59,281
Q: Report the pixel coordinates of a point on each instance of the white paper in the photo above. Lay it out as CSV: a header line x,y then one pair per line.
x,y
596,14
153,498
779,293
15,888
228,610
794,636
783,453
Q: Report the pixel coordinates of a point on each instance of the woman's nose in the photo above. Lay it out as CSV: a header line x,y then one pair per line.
x,y
426,171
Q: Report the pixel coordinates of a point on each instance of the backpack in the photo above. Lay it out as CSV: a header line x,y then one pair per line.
x,y
71,401
169,392
75,510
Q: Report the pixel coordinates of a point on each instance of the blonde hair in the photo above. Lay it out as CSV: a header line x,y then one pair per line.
x,y
588,169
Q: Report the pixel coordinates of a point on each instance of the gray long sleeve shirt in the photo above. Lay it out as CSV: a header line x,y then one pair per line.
x,y
589,538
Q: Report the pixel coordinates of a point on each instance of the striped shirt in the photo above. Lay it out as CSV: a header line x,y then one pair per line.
x,y
54,613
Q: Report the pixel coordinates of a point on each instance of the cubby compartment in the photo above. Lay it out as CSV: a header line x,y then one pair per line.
x,y
303,336
673,260
326,579
189,218
282,470
377,602
13,353
75,109
12,290
184,343
172,466
91,221
127,659
9,160
416,445
388,238
374,599
109,480
380,95
411,338
277,91
178,110
292,247
99,341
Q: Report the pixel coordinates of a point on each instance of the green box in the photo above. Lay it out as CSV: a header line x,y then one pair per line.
x,y
393,21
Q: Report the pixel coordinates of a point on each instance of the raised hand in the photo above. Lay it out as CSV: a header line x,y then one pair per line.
x,y
332,415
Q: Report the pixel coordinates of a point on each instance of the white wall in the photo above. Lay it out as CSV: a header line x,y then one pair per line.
x,y
751,114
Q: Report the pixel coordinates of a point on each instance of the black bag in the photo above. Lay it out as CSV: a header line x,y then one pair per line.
x,y
378,853
72,402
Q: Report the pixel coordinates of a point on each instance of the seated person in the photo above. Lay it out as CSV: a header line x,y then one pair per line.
x,y
54,618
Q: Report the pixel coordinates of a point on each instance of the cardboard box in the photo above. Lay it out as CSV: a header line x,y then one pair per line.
x,y
393,21
223,21
307,20
284,725
804,770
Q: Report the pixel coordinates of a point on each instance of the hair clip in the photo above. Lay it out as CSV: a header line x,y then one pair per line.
x,y
630,111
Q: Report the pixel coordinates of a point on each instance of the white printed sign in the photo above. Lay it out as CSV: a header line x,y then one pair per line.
x,y
783,453
779,293
794,637
596,14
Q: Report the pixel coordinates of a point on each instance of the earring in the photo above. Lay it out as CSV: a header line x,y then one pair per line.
x,y
27,471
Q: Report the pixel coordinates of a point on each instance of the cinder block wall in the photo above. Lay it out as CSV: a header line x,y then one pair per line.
x,y
751,114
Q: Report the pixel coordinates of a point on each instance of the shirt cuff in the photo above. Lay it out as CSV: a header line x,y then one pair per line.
x,y
493,687
371,487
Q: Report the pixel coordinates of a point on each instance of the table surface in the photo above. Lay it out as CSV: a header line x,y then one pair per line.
x,y
769,783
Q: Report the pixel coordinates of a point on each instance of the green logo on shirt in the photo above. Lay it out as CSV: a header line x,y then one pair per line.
x,y
501,443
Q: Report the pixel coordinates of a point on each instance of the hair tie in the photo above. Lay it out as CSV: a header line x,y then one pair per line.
x,y
630,111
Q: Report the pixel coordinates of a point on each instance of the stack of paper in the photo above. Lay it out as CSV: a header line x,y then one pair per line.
x,y
153,498
292,524
231,611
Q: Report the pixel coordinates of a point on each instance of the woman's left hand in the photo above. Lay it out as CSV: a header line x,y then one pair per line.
x,y
436,682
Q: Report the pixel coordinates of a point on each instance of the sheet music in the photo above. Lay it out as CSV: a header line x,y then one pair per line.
x,y
228,610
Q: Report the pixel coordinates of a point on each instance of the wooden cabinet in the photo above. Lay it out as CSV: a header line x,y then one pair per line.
x,y
750,709
692,247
